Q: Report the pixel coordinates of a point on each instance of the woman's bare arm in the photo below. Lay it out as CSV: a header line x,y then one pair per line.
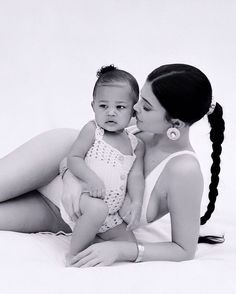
x,y
184,198
185,187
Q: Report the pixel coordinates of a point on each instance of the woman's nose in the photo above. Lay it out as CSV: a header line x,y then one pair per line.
x,y
136,107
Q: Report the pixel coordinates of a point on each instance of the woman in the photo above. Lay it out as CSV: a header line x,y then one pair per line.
x,y
173,98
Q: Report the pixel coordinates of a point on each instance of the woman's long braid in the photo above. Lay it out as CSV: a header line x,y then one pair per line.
x,y
186,93
217,136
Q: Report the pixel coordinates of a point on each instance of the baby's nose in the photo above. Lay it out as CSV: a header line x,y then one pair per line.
x,y
111,111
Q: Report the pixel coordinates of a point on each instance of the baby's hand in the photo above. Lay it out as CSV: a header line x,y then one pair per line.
x,y
96,188
134,215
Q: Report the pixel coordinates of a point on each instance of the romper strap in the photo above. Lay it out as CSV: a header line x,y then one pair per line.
x,y
99,132
133,140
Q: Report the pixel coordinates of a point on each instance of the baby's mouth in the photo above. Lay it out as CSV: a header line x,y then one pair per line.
x,y
110,122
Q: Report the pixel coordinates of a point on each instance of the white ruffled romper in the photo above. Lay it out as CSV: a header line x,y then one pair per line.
x,y
113,168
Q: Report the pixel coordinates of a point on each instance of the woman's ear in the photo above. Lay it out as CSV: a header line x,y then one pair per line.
x,y
177,123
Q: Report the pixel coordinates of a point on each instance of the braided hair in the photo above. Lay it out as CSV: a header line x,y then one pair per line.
x,y
185,92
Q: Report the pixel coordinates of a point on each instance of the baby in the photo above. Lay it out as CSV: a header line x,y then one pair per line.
x,y
108,160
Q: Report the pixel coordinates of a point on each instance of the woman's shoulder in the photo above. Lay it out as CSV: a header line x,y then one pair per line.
x,y
184,163
184,170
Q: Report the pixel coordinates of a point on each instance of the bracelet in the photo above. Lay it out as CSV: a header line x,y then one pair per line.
x,y
140,248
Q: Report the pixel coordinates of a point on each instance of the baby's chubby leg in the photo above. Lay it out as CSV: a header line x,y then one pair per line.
x,y
93,214
119,233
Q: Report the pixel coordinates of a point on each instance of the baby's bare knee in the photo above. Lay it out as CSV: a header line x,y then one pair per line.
x,y
99,207
95,207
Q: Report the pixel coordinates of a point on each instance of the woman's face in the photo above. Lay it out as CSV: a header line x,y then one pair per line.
x,y
151,116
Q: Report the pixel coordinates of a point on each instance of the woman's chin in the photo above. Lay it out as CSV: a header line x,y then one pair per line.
x,y
139,124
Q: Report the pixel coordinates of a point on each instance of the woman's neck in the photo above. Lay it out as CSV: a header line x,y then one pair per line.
x,y
164,144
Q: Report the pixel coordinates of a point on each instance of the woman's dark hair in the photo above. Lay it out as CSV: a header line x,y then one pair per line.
x,y
111,74
185,92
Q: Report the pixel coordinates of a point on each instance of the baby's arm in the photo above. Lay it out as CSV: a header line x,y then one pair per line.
x,y
135,187
77,165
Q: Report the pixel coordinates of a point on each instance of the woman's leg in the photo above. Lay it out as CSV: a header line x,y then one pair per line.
x,y
35,163
31,213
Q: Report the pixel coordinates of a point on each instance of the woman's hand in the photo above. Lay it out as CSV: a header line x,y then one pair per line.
x,y
98,254
131,213
72,189
133,216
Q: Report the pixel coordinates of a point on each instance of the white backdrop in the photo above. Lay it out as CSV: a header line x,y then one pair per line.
x,y
51,49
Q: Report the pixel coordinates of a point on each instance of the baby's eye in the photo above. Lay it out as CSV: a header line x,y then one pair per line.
x,y
120,107
104,106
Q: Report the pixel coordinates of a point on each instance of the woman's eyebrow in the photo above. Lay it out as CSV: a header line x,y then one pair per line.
x,y
146,100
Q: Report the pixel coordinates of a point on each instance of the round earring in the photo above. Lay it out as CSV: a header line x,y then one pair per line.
x,y
173,133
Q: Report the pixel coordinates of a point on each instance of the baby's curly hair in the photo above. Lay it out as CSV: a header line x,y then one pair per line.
x,y
105,69
111,74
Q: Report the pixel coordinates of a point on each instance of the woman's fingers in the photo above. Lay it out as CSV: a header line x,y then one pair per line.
x,y
80,255
86,258
93,263
133,222
68,205
74,217
87,261
131,226
126,217
75,205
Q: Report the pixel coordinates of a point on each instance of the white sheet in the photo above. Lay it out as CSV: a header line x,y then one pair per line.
x,y
34,263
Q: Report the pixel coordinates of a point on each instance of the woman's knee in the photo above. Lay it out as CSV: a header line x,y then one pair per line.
x,y
25,169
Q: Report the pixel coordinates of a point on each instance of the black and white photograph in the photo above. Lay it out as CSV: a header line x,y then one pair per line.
x,y
118,146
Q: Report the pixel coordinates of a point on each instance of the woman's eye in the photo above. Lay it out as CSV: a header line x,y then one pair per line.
x,y
146,108
144,105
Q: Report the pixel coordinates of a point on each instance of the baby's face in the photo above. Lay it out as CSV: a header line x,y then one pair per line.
x,y
113,106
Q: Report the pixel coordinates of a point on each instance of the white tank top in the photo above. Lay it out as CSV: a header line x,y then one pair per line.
x,y
153,232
